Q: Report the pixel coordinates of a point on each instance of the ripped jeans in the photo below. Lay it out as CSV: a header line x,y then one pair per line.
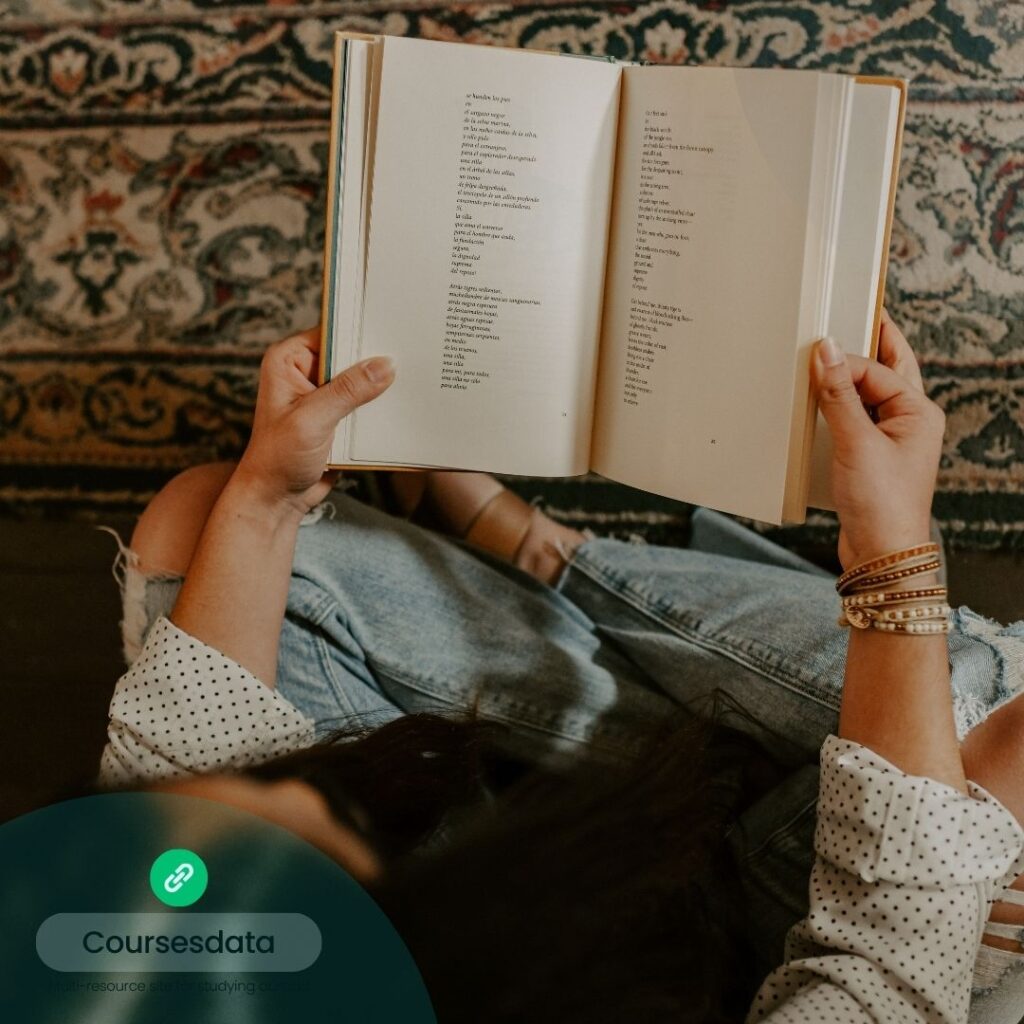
x,y
385,619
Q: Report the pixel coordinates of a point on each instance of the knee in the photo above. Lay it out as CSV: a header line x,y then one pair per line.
x,y
993,751
169,529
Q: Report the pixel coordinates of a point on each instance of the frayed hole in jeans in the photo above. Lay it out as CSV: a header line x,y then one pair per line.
x,y
1007,646
131,582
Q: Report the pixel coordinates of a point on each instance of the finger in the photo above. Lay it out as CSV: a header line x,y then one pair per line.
x,y
838,399
307,352
305,343
309,338
289,365
351,388
307,364
895,352
881,387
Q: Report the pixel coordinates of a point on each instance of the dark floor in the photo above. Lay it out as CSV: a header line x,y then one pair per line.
x,y
59,656
60,648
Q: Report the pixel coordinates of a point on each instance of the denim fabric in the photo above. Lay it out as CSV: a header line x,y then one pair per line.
x,y
384,618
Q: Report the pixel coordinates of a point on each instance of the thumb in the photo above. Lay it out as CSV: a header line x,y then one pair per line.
x,y
838,399
342,394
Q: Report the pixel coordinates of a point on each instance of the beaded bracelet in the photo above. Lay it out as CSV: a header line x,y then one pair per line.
x,y
867,604
891,567
882,596
862,618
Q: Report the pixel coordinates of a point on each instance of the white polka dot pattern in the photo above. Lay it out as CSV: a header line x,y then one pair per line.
x,y
905,873
890,827
184,707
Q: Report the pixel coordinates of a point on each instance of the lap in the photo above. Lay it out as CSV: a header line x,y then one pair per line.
x,y
384,618
434,626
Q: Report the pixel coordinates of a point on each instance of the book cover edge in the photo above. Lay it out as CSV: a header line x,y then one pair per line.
x,y
330,237
901,85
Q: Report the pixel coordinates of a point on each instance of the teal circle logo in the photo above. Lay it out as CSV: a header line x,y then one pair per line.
x,y
86,863
178,878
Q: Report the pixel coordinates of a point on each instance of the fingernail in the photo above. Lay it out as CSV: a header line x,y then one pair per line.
x,y
831,353
379,369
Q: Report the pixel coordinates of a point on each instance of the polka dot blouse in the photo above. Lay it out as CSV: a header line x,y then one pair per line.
x,y
905,873
184,707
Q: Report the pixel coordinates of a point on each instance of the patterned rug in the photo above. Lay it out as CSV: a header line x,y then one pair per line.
x,y
161,218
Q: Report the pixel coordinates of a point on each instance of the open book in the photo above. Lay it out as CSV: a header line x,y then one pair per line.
x,y
580,265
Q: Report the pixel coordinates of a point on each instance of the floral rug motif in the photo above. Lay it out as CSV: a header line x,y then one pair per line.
x,y
162,173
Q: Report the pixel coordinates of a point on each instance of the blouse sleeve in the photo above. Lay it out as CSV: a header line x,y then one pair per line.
x,y
905,871
184,707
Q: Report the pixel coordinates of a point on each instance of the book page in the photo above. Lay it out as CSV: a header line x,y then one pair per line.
x,y
863,220
706,283
486,252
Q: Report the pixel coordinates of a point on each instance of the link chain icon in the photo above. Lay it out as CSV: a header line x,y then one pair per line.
x,y
172,883
178,878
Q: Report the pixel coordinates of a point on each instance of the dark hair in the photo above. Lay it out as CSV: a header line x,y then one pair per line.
x,y
396,783
597,893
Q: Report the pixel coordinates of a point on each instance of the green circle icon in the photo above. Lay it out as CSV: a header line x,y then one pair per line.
x,y
178,878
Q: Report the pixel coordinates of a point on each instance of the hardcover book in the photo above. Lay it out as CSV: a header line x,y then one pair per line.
x,y
587,266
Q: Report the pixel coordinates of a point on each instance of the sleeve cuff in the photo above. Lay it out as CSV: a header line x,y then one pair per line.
x,y
876,822
185,707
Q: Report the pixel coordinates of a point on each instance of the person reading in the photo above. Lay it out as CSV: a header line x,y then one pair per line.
x,y
655,875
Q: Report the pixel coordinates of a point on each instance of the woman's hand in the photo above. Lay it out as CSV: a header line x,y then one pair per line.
x,y
896,692
236,587
284,465
883,468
